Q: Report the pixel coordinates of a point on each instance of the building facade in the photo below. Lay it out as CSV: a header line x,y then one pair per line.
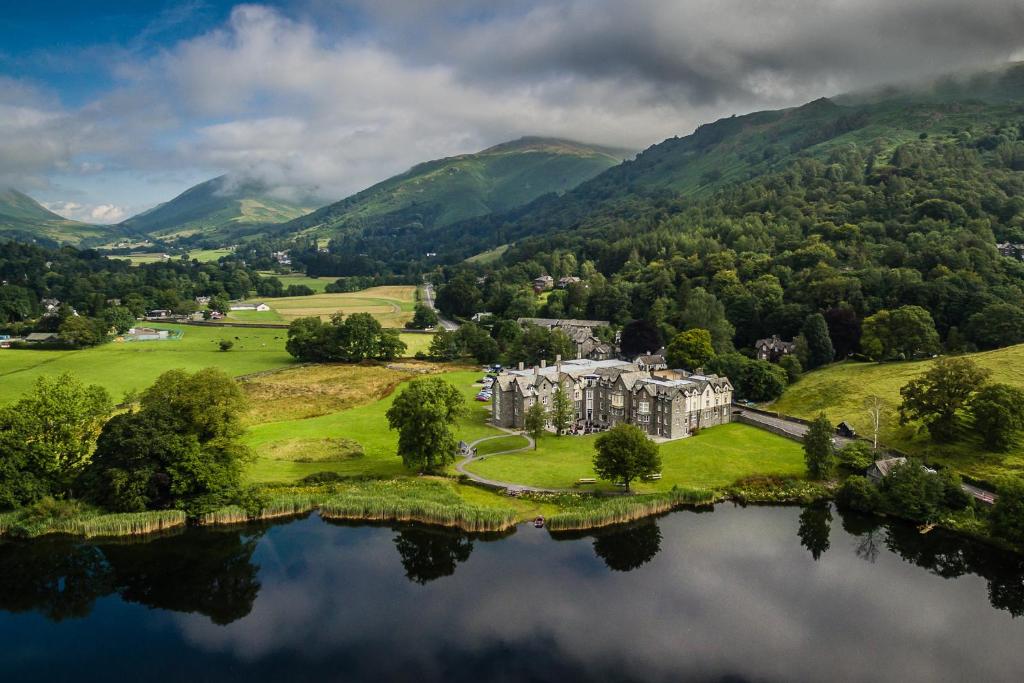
x,y
773,349
608,392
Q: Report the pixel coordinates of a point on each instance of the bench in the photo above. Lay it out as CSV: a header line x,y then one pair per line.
x,y
587,480
653,477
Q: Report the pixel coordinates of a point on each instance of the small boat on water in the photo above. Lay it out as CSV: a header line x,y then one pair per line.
x,y
538,522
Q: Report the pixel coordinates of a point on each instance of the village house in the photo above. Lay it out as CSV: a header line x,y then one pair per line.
x,y
608,392
564,282
159,313
202,300
249,306
652,361
581,333
1011,250
882,468
42,338
543,283
773,348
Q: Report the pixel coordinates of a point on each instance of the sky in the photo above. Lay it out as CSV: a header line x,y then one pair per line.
x,y
118,106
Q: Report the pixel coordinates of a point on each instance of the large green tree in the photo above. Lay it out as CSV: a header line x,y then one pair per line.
x,y
819,454
422,318
180,448
562,410
998,413
535,421
907,332
48,437
936,397
424,414
1008,512
691,349
704,311
819,343
624,453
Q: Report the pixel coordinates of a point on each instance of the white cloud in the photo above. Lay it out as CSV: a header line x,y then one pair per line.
x,y
312,100
100,213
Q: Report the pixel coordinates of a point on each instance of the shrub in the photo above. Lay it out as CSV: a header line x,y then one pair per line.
x,y
226,344
857,456
1008,513
857,493
914,492
320,478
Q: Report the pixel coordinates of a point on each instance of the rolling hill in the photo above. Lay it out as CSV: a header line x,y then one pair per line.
x,y
439,193
217,211
24,219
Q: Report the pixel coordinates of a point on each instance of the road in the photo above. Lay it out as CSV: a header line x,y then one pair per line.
x,y
428,299
461,466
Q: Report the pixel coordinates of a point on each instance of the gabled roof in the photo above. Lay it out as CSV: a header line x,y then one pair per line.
x,y
887,465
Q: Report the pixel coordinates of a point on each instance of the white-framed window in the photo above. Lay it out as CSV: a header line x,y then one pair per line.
x,y
644,407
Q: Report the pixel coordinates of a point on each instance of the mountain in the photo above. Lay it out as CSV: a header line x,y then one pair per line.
x,y
438,193
24,219
734,150
216,211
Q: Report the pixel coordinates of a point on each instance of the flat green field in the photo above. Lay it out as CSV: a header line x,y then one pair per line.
x,y
391,305
209,255
134,365
317,284
364,424
840,390
718,456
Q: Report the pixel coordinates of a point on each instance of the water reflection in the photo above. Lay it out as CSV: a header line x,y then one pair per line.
x,y
629,548
815,525
206,572
429,553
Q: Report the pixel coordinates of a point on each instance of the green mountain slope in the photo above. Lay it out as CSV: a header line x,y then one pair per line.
x,y
24,219
216,211
442,192
741,148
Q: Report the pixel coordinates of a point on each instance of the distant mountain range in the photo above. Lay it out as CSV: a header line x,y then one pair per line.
x,y
438,193
221,209
23,218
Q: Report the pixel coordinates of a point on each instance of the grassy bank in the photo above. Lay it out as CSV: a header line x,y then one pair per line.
x,y
74,519
590,512
839,391
716,457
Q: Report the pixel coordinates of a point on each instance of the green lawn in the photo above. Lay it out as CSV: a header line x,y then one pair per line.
x,y
209,255
415,342
254,317
134,365
839,391
365,424
718,456
504,443
317,284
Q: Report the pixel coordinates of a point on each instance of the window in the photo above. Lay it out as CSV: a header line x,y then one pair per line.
x,y
617,400
645,407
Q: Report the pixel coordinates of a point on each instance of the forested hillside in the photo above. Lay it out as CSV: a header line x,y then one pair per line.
x,y
25,219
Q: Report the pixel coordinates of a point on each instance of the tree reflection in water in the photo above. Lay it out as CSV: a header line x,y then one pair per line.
x,y
430,553
206,572
627,548
815,525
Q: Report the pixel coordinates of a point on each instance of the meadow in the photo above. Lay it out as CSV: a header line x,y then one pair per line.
x,y
840,390
312,415
391,305
317,284
714,458
124,366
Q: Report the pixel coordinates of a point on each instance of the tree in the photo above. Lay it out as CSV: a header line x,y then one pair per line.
x,y
539,343
856,456
704,311
423,317
219,303
353,339
180,449
1008,512
819,344
423,414
472,339
640,336
78,330
818,451
843,330
755,380
562,410
997,325
877,410
857,493
443,346
907,332
535,420
691,349
47,438
226,345
120,318
460,297
998,413
624,453
791,364
936,397
912,491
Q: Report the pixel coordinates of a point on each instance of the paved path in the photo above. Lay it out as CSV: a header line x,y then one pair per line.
x,y
428,299
461,466
792,427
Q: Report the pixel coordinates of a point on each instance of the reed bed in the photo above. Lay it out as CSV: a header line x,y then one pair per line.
x,y
92,525
601,512
281,505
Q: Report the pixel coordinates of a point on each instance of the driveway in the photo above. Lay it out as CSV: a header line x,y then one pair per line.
x,y
461,466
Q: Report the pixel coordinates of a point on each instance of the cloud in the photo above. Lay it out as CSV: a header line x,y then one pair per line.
x,y
101,213
335,97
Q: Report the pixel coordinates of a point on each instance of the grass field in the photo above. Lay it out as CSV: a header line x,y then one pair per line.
x,y
209,255
717,457
134,365
391,305
363,423
840,390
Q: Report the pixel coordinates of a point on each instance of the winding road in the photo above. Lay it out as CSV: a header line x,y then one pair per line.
x,y
461,465
428,299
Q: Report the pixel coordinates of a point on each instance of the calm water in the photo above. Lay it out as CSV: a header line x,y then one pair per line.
x,y
765,594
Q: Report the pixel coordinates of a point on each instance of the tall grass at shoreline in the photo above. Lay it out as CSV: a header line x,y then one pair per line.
x,y
593,513
90,524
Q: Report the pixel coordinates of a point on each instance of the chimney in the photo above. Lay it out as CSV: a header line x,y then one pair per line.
x,y
543,363
536,371
520,365
558,363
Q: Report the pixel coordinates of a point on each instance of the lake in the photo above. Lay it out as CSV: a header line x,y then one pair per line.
x,y
738,594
